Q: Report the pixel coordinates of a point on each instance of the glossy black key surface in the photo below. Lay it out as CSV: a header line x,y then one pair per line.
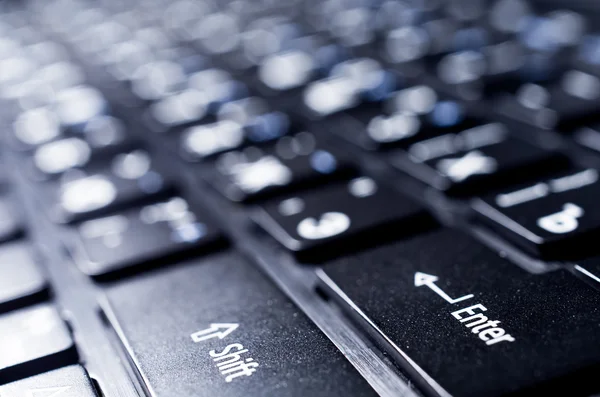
x,y
101,138
128,178
71,381
350,83
555,218
586,57
474,159
339,218
10,220
219,328
236,126
498,69
294,161
177,110
475,323
21,280
34,127
74,111
199,98
106,134
410,115
588,136
142,237
209,139
472,73
314,56
33,340
257,118
563,105
54,158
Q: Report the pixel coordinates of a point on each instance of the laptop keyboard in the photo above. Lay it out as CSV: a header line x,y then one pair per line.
x,y
293,198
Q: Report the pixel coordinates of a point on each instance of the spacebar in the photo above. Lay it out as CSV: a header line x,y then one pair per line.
x,y
218,327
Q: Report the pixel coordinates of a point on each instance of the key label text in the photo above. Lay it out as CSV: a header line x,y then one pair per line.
x,y
472,317
230,361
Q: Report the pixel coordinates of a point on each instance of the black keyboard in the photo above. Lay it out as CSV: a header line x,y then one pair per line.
x,y
299,198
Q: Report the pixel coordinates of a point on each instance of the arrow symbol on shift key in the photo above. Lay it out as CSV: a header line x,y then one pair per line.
x,y
214,331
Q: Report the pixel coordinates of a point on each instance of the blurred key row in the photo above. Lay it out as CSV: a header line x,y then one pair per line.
x,y
252,150
252,97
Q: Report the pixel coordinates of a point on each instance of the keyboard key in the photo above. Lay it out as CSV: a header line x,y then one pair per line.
x,y
101,137
562,105
410,47
106,134
71,381
587,58
495,69
300,64
219,328
146,85
142,237
33,340
471,73
209,100
588,136
21,281
348,85
207,140
58,156
218,87
259,121
10,220
474,160
203,94
34,127
460,311
411,115
337,218
176,110
78,105
293,162
556,218
127,179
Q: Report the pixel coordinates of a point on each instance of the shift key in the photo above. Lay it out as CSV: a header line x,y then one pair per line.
x,y
217,327
467,322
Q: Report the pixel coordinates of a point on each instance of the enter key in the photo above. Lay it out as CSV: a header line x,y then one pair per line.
x,y
464,321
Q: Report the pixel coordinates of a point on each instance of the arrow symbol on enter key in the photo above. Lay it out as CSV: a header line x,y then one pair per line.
x,y
220,331
429,281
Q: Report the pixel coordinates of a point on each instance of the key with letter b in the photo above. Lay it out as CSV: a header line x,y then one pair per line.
x,y
564,221
554,219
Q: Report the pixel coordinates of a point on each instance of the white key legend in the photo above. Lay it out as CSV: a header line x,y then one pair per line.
x,y
429,280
